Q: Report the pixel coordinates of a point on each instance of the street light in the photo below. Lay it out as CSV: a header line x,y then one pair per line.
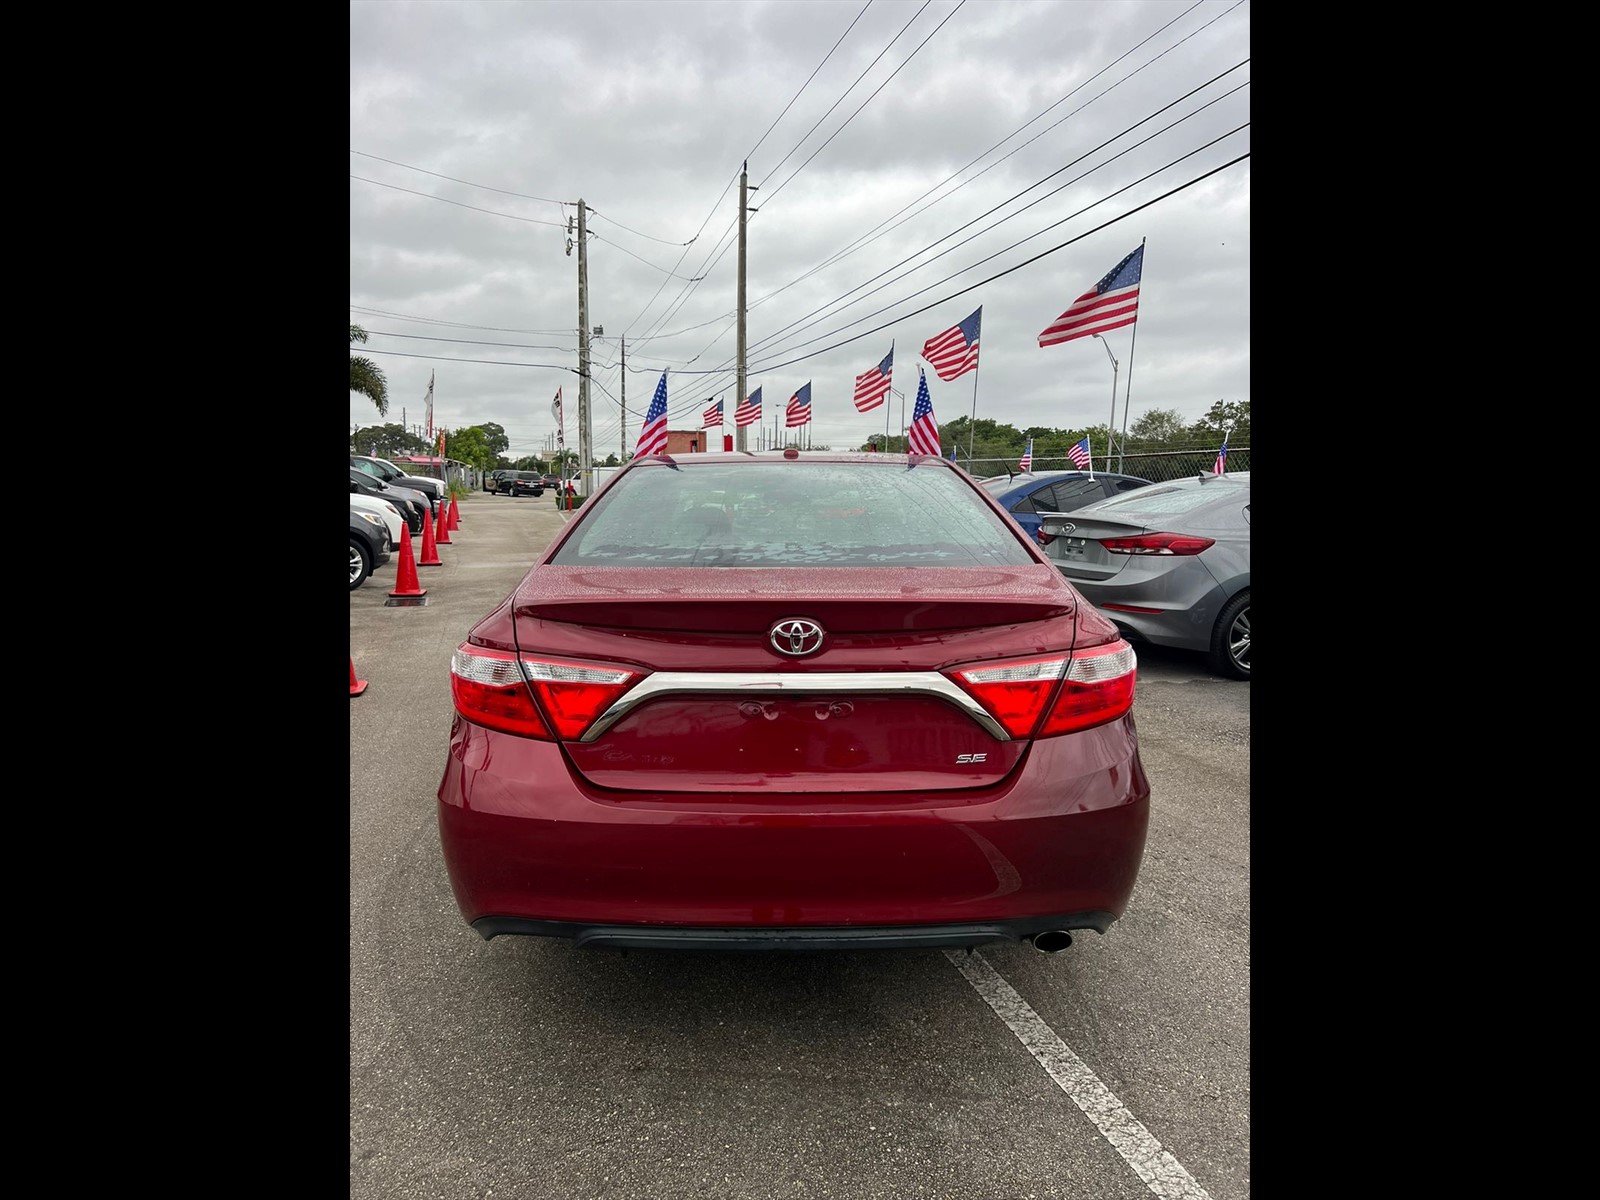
x,y
896,391
1111,429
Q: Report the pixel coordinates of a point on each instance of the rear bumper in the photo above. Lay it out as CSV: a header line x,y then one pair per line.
x,y
843,937
1186,605
532,850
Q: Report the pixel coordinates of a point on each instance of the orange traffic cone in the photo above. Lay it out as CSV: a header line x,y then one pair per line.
x,y
357,686
430,554
406,582
455,514
441,536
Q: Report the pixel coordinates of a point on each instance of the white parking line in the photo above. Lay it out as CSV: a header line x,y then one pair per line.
x,y
1162,1174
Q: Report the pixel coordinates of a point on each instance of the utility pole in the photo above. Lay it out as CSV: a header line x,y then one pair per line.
x,y
585,427
744,190
622,451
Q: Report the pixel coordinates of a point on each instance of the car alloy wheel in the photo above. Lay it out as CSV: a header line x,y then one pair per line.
x,y
360,564
1230,640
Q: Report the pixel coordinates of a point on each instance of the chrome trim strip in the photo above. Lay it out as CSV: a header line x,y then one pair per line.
x,y
921,683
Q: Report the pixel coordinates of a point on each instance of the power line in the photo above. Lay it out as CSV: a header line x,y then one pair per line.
x,y
818,314
464,182
809,78
722,240
767,200
381,312
458,204
859,78
1008,270
879,230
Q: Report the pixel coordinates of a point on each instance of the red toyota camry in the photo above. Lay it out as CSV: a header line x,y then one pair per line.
x,y
793,700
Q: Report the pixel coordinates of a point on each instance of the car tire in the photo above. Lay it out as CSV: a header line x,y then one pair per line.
x,y
1230,638
360,564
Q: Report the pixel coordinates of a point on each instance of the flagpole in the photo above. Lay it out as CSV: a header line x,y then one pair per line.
x,y
1127,388
886,414
972,433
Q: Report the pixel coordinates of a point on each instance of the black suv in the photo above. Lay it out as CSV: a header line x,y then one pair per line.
x,y
519,483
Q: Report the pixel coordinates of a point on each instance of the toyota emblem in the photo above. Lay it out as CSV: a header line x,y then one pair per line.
x,y
796,636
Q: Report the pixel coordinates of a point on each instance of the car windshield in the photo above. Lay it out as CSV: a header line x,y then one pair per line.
x,y
788,514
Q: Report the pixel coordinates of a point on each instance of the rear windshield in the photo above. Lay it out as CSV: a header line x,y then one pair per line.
x,y
791,514
1168,499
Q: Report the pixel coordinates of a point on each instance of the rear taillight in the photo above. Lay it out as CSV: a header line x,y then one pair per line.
x,y
1043,538
490,689
496,689
574,694
1096,686
1157,543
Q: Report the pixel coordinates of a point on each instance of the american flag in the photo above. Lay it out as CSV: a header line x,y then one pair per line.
x,y
1027,458
653,436
1222,456
1079,451
924,429
713,416
1109,304
749,410
872,387
799,411
955,351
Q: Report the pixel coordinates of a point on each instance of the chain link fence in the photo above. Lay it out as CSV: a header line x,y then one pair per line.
x,y
1158,466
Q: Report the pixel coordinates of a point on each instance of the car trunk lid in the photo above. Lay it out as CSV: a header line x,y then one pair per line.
x,y
731,706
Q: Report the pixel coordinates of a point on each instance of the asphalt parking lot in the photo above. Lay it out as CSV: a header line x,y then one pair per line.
x,y
526,1068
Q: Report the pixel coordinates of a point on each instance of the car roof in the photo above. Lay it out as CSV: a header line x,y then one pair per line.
x,y
1001,485
1129,502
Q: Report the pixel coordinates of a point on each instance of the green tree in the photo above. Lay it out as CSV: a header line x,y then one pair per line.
x,y
365,377
494,437
1225,417
388,441
1156,426
469,446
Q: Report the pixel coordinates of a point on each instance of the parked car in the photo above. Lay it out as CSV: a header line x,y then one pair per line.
x,y
1027,495
383,469
369,545
392,519
793,701
413,504
519,483
1169,564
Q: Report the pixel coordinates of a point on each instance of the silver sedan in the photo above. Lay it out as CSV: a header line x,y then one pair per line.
x,y
1168,563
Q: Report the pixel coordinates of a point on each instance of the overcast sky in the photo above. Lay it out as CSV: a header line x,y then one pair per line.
x,y
911,158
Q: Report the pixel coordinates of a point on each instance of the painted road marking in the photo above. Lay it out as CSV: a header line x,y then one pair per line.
x,y
1162,1174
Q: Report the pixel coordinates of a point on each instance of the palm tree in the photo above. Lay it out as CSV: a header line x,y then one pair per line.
x,y
365,377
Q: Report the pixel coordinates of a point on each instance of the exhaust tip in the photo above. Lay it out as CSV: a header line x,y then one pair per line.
x,y
1051,941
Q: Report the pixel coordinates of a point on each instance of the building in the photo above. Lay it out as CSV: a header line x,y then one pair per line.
x,y
693,441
